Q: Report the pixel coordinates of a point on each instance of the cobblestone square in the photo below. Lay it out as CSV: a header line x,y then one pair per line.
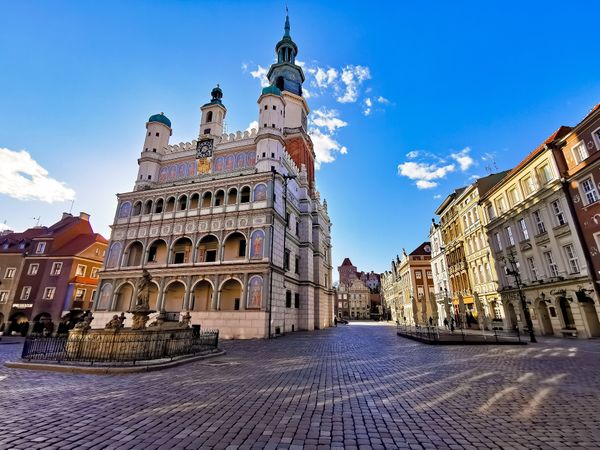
x,y
356,386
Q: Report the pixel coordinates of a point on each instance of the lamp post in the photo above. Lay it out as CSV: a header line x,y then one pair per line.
x,y
285,179
513,271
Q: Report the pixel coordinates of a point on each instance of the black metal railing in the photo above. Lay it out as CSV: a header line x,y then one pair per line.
x,y
435,334
119,347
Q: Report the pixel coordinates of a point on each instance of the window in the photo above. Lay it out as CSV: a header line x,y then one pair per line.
x,y
532,269
80,270
545,173
296,300
596,136
49,293
501,205
79,294
509,236
498,241
94,273
572,258
539,222
10,272
3,297
418,275
514,195
590,193
56,268
286,260
558,213
429,274
40,247
550,264
524,231
288,299
297,265
25,292
579,152
33,269
529,185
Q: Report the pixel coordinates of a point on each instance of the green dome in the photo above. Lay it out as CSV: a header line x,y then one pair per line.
x,y
272,89
160,118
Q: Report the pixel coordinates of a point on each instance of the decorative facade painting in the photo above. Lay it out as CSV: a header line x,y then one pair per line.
x,y
234,161
255,292
177,171
257,244
125,210
260,192
114,254
105,297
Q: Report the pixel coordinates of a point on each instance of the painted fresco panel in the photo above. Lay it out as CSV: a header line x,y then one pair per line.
x,y
255,292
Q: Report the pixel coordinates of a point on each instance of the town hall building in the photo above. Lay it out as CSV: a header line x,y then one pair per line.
x,y
229,226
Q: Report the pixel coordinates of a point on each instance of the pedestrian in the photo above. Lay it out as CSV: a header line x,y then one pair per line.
x,y
452,324
335,321
430,321
446,323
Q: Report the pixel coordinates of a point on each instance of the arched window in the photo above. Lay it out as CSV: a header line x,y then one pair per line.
x,y
170,204
182,203
159,206
148,207
219,197
209,116
194,200
182,251
232,196
137,208
206,199
245,194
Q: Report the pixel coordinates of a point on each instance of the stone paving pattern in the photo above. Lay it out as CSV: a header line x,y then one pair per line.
x,y
356,386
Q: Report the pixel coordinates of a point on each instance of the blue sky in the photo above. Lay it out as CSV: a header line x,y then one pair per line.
x,y
453,87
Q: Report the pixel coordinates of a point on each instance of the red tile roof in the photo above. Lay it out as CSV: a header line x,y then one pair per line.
x,y
563,130
78,244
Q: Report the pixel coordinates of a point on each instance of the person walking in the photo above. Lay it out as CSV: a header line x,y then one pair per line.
x,y
446,323
335,321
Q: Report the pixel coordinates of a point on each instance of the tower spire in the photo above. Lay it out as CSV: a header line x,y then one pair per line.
x,y
287,23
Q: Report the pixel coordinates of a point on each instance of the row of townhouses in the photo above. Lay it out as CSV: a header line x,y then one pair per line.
x,y
515,247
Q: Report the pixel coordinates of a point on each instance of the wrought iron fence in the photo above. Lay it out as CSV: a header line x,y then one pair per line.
x,y
442,335
119,347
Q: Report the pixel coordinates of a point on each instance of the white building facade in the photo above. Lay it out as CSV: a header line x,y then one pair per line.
x,y
230,226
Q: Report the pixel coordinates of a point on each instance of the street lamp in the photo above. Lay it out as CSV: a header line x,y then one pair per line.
x,y
513,271
285,178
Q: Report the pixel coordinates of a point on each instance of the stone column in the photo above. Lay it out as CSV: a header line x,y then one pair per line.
x,y
215,299
188,291
161,294
244,294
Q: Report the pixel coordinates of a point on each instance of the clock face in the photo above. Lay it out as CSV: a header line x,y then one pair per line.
x,y
204,149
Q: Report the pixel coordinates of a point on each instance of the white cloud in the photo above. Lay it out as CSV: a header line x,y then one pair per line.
x,y
253,124
327,118
437,196
424,184
463,159
260,74
4,227
21,177
325,147
307,94
424,174
383,100
474,177
324,78
412,155
367,104
352,78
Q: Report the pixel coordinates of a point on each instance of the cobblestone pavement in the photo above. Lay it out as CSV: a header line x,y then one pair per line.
x,y
348,387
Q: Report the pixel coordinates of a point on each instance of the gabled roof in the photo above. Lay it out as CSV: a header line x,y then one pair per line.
x,y
422,250
562,131
78,244
14,239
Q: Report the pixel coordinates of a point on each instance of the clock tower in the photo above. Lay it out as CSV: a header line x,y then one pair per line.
x,y
213,115
285,74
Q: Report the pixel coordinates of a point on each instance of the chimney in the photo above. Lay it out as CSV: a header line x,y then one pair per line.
x,y
65,215
84,216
